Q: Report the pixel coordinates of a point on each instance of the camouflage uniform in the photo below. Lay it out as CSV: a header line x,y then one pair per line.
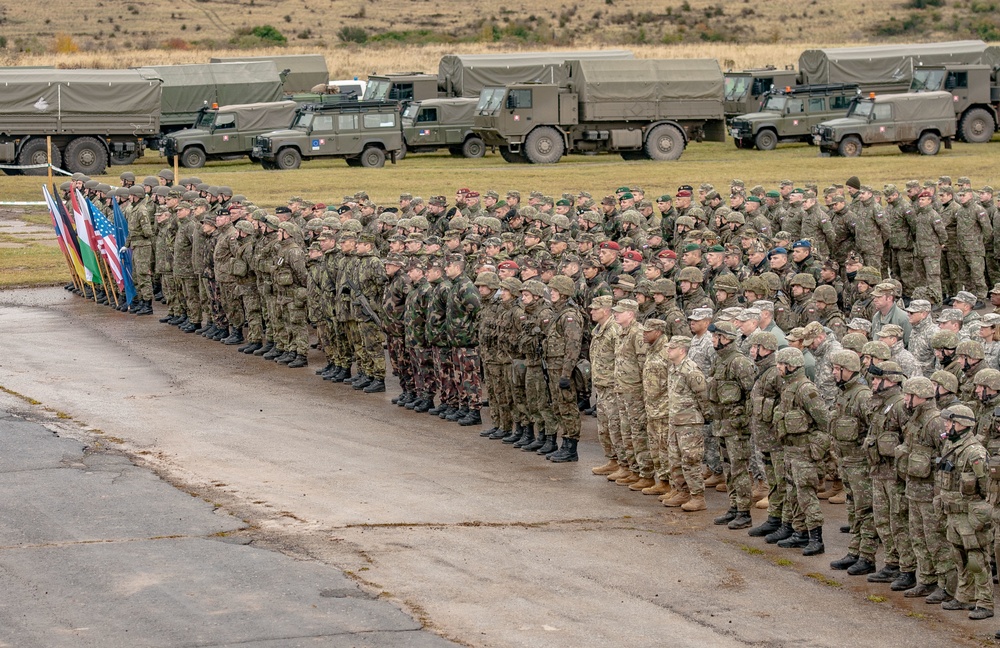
x,y
763,398
225,249
415,338
141,235
929,234
185,280
437,338
687,390
164,261
972,229
246,288
729,386
603,341
630,356
290,279
463,312
535,319
368,276
901,258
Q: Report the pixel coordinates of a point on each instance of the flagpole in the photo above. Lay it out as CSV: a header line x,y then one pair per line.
x,y
105,270
104,279
93,290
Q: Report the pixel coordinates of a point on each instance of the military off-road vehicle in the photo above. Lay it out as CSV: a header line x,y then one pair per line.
x,y
226,132
364,133
433,124
788,115
975,92
917,122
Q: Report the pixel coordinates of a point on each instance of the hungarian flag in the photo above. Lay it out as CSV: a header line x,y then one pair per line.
x,y
66,243
88,240
105,233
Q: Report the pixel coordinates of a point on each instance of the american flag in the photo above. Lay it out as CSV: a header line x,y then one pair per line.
x,y
106,240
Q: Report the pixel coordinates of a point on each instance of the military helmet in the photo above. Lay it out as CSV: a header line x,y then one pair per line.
x,y
877,349
826,294
734,217
803,279
988,378
727,282
91,184
692,274
790,356
665,286
756,285
727,329
869,275
946,379
351,225
920,387
890,371
513,284
420,223
633,217
150,181
489,279
847,359
854,341
137,190
960,415
944,340
127,176
763,339
563,285
291,228
244,227
971,349
533,286
772,280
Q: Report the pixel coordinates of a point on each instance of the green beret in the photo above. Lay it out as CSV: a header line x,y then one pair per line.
x,y
691,247
714,248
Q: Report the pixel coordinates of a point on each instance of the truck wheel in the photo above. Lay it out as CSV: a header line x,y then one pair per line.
x,y
633,155
373,158
473,148
193,158
288,159
850,146
929,144
908,148
544,145
511,157
268,165
33,152
766,140
86,155
664,142
353,161
977,126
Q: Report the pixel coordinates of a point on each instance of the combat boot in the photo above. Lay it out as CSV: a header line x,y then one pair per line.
x,y
771,524
299,362
328,367
249,349
920,590
235,338
618,474
413,404
527,437
645,482
537,443
165,319
862,567
201,329
264,350
839,498
474,417
834,487
939,595
211,330
955,604
887,574
815,546
660,488
846,562
726,517
784,531
904,581
146,308
488,431
696,503
454,414
677,498
548,446
759,490
273,353
741,521
436,411
516,433
364,382
797,540
191,327
424,405
629,478
183,323
175,320
607,468
978,614
566,453
377,386
714,480
763,505
221,335
346,376
287,358
500,434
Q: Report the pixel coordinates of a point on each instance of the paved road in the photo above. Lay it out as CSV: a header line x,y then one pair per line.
x,y
485,545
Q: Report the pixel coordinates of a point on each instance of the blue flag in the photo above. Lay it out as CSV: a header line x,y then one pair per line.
x,y
121,235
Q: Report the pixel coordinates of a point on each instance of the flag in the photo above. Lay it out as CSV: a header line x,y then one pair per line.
x,y
86,237
105,232
121,235
66,244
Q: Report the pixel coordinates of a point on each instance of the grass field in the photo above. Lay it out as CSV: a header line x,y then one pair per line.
x,y
427,175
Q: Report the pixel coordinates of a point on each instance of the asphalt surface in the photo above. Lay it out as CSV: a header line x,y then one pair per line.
x,y
482,544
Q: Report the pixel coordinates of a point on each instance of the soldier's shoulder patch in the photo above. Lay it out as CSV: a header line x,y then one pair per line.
x,y
523,317
979,467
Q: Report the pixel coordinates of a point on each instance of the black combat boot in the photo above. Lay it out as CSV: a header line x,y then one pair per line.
x,y
146,308
221,335
782,532
536,443
191,328
516,433
436,411
364,382
346,378
456,415
165,319
210,331
549,446
798,540
527,437
862,567
264,350
250,348
175,320
328,367
285,358
887,574
846,562
183,323
566,453
273,353
904,581
202,329
336,374
408,397
235,338
395,400
815,546
771,524
423,405
377,386
474,417
501,433
299,361
741,521
726,517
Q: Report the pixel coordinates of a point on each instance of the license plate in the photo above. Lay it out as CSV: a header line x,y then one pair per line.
x,y
256,151
735,133
817,139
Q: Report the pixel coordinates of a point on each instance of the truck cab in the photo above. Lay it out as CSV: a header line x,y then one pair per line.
x,y
432,124
975,94
788,115
745,89
403,88
504,116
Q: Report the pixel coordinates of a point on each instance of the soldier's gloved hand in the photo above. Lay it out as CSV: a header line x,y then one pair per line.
x,y
564,383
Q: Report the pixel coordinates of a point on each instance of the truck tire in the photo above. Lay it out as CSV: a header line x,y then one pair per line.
x,y
633,155
86,155
287,159
544,145
473,148
193,158
268,165
34,152
373,158
929,144
664,142
353,161
511,157
850,146
402,151
766,140
908,148
977,126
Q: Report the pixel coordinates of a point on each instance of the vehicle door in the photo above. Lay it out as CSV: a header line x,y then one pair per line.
x,y
225,136
322,140
881,127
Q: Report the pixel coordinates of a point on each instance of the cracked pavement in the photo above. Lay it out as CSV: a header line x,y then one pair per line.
x,y
482,544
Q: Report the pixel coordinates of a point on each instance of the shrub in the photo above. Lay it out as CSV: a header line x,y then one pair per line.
x,y
352,34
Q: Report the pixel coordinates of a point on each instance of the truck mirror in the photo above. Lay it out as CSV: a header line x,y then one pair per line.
x,y
511,101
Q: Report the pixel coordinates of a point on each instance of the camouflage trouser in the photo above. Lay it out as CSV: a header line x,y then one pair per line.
x,y
498,392
935,563
142,271
467,366
928,273
563,414
972,560
266,297
757,471
903,268
536,394
187,294
231,303
445,371
608,422
737,450
800,470
892,520
873,258
204,313
658,431
170,294
635,435
774,473
992,269
685,452
713,453
370,349
855,473
950,271
399,360
215,298
293,306
255,319
972,266
422,361
342,344
517,390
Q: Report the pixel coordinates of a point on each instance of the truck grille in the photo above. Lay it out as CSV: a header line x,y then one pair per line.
x,y
263,143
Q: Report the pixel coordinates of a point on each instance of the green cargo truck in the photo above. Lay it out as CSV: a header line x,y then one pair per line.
x,y
975,94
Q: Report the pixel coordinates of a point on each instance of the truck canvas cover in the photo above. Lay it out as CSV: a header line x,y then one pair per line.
x,y
188,88
647,88
464,75
102,101
921,106
262,116
453,111
305,70
884,64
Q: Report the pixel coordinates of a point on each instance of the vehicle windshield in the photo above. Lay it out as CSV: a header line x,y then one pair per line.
x,y
377,90
206,119
303,120
411,112
490,100
861,109
927,80
775,103
736,87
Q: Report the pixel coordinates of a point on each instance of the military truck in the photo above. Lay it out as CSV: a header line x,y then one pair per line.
x,y
639,108
364,133
975,95
434,124
914,121
299,72
788,115
404,87
93,116
745,89
226,132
